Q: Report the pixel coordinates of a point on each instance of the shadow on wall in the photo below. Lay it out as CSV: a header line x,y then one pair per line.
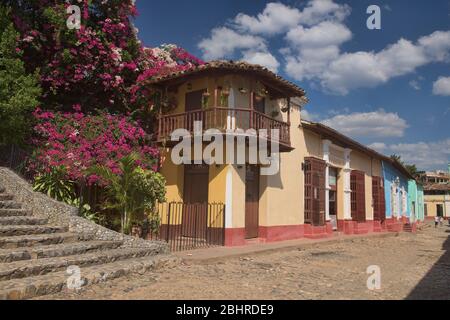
x,y
436,283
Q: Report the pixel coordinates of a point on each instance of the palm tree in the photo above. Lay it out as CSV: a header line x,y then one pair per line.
x,y
122,189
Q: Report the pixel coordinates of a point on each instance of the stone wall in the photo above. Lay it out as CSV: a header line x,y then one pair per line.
x,y
62,214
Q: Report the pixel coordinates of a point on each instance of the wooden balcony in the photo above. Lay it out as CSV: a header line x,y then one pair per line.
x,y
223,119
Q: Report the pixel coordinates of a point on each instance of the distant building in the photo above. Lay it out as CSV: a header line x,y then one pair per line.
x,y
434,176
437,200
436,193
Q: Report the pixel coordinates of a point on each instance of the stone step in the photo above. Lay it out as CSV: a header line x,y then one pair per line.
x,y
21,230
58,250
9,204
22,220
28,268
51,283
33,240
14,212
5,196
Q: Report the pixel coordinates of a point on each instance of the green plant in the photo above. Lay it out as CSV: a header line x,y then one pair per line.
x,y
153,222
56,185
19,91
205,100
134,190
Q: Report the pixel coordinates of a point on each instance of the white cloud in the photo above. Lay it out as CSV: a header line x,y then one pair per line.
x,y
224,42
425,155
441,86
387,7
436,46
312,51
275,18
308,116
324,34
320,10
368,69
368,124
415,84
262,58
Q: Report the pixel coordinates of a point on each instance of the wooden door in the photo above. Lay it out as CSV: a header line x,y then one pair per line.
x,y
193,100
358,200
378,199
260,105
193,105
251,201
315,191
195,208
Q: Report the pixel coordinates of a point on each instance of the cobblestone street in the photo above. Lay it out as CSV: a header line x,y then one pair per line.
x,y
412,267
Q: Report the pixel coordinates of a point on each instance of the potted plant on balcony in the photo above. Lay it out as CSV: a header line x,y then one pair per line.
x,y
205,99
275,114
224,94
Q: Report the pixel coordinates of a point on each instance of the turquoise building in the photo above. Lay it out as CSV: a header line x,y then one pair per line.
x,y
413,202
420,203
396,187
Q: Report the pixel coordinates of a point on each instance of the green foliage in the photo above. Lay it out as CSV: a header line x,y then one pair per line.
x,y
411,168
88,214
19,91
133,191
55,184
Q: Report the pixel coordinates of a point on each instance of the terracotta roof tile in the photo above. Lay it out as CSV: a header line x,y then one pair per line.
x,y
222,65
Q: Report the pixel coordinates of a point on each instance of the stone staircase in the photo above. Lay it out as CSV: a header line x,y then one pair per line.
x,y
409,227
35,256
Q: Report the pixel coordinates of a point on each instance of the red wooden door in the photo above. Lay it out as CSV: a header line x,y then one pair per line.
x,y
195,208
315,191
251,201
358,200
379,206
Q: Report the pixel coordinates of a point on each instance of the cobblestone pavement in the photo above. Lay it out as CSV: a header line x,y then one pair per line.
x,y
413,266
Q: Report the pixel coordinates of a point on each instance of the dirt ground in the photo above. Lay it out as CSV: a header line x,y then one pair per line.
x,y
413,266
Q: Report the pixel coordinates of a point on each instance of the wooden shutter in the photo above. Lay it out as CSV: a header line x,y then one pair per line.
x,y
315,191
379,204
358,201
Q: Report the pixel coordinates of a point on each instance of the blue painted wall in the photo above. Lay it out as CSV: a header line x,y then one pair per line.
x,y
390,175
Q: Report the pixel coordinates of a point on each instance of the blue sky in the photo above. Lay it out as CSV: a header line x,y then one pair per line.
x,y
388,88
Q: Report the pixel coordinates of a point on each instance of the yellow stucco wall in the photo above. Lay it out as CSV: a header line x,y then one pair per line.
x,y
283,197
431,201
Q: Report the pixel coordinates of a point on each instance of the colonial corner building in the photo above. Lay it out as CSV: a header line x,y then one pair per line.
x,y
437,193
326,182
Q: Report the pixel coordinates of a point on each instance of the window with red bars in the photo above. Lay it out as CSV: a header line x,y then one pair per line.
x,y
358,201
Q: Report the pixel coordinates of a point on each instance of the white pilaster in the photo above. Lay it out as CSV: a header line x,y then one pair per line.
x,y
347,189
326,157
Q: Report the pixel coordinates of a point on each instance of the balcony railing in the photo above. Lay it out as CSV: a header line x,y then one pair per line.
x,y
222,119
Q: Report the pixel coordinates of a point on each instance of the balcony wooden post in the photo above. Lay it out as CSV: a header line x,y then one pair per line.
x,y
252,108
216,94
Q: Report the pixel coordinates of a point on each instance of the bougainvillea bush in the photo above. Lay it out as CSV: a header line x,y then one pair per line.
x,y
77,141
100,65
